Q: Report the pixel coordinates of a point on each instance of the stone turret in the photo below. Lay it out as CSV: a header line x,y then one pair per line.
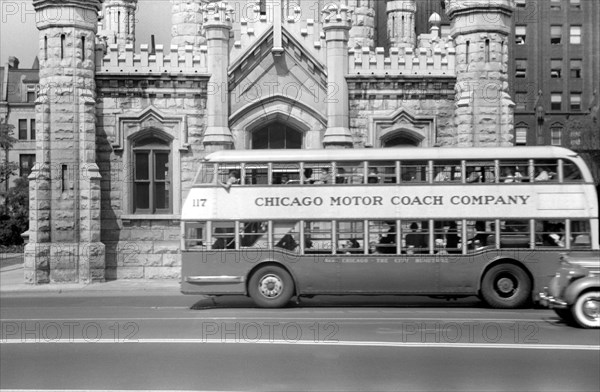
x,y
65,183
187,24
117,25
362,33
401,23
484,113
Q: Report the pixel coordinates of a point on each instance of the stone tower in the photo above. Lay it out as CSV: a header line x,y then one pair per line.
x,y
401,23
187,24
362,33
484,114
65,184
118,22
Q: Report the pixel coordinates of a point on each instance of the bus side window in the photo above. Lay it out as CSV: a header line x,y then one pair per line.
x,y
256,174
477,172
571,172
447,171
318,173
581,236
515,234
286,173
223,235
225,169
349,173
513,171
254,234
350,237
415,237
194,235
317,237
480,234
550,233
206,174
286,235
447,236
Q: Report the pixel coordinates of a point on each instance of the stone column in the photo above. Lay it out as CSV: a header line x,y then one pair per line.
x,y
118,22
401,23
187,25
362,33
484,114
217,23
64,189
337,24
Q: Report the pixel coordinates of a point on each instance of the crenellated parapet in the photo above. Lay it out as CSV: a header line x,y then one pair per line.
x,y
437,58
157,62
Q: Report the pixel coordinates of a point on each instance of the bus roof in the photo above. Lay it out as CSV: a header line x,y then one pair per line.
x,y
366,154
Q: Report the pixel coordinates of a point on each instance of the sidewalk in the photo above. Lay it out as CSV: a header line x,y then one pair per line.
x,y
12,283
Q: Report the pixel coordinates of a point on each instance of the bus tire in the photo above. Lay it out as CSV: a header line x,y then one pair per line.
x,y
271,287
506,286
586,309
565,314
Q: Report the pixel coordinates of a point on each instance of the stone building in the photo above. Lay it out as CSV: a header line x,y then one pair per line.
x,y
121,128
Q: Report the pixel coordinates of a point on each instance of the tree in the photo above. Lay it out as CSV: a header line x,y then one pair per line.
x,y
14,216
7,140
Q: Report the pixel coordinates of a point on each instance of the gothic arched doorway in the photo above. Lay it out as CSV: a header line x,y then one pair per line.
x,y
400,140
276,135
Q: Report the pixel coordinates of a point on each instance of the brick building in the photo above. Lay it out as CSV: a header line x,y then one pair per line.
x,y
120,129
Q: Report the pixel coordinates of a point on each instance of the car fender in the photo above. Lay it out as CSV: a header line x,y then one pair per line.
x,y
580,285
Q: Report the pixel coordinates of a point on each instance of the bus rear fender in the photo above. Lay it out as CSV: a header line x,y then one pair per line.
x,y
271,263
504,260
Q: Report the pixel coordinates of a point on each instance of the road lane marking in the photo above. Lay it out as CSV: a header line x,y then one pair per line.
x,y
341,343
307,319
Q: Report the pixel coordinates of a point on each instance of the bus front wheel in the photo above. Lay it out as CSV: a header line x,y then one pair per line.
x,y
271,287
506,286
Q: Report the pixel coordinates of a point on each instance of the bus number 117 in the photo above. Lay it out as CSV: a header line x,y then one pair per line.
x,y
198,202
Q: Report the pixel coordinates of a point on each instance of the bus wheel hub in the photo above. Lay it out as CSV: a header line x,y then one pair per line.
x,y
591,308
270,286
506,285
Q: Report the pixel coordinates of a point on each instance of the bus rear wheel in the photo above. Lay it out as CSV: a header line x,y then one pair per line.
x,y
506,286
271,287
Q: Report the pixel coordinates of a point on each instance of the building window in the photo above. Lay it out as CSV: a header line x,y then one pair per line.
x,y
556,135
575,68
521,68
575,101
22,129
521,135
556,101
263,7
575,4
575,35
520,35
26,162
521,101
152,175
555,5
276,135
32,129
555,34
556,68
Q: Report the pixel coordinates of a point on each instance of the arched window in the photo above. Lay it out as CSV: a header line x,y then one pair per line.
x,y
276,135
400,140
152,192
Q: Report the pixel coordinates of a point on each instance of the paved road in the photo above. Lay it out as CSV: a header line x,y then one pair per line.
x,y
158,342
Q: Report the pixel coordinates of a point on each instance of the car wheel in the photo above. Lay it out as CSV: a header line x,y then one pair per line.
x,y
586,310
271,287
506,286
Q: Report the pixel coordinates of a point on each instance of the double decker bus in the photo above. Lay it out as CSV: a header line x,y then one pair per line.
x,y
451,222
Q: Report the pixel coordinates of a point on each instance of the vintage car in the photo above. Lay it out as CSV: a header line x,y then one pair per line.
x,y
574,292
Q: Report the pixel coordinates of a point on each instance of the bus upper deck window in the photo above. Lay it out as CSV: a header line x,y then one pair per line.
x,y
414,171
227,169
286,173
206,174
571,172
480,171
545,170
349,173
447,171
381,172
513,171
256,174
318,173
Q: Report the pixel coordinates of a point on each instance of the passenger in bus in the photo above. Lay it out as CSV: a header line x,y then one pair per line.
x,y
388,240
340,178
557,237
373,176
373,249
473,175
441,174
452,238
287,242
543,173
416,240
351,245
233,179
326,177
308,176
